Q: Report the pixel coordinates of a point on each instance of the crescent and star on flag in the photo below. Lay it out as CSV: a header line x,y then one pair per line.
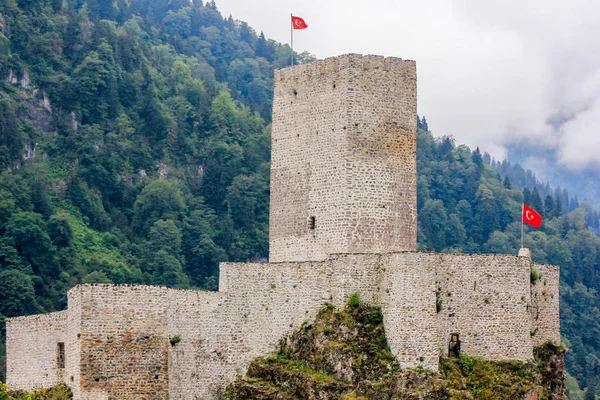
x,y
530,217
298,23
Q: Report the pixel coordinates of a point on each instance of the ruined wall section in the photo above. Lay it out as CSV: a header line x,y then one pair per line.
x,y
31,350
485,299
343,152
407,298
545,306
124,342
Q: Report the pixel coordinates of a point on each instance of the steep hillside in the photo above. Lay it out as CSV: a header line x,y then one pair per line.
x,y
134,148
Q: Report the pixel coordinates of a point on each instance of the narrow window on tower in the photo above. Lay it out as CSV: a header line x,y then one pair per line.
x,y
312,222
60,355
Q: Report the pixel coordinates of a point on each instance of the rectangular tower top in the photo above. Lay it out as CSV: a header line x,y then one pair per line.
x,y
352,60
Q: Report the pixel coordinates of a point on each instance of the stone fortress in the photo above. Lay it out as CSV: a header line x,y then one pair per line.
x,y
343,221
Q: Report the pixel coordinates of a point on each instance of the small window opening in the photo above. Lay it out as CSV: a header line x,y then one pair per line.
x,y
60,355
454,346
312,222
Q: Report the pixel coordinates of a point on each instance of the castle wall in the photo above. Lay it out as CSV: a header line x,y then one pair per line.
x,y
408,304
73,342
117,337
196,362
485,299
258,304
31,348
124,342
344,148
544,310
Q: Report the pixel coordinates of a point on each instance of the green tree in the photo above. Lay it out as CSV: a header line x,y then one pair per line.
x,y
590,392
160,199
11,139
202,253
165,235
27,232
433,221
60,230
17,295
166,270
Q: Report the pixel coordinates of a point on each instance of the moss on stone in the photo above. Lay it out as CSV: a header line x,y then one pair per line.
x,y
58,392
344,355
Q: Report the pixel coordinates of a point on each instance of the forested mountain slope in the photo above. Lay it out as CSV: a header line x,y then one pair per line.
x,y
134,148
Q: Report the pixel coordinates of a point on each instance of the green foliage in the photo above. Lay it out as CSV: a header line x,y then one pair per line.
x,y
465,363
590,392
174,339
353,302
439,302
535,275
58,392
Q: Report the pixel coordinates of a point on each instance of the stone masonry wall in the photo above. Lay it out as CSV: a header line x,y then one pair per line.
x,y
195,363
544,310
344,148
124,342
122,332
73,342
407,298
31,348
485,299
258,304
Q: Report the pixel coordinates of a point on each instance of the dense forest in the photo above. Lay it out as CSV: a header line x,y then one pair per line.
x,y
135,146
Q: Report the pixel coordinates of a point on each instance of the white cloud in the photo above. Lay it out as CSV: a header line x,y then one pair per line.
x,y
489,73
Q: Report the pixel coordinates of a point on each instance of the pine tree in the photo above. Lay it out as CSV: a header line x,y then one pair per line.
x,y
425,126
590,392
536,201
549,207
558,210
526,196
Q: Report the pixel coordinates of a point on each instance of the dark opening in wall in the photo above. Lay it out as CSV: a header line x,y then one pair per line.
x,y
60,355
312,222
454,346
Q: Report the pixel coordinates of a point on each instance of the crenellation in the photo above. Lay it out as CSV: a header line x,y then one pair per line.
x,y
342,221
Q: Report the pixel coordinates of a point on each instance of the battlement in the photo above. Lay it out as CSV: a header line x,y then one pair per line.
x,y
333,65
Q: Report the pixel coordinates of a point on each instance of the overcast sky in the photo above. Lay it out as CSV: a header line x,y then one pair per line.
x,y
489,72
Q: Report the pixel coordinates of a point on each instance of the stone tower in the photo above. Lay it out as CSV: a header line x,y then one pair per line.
x,y
343,169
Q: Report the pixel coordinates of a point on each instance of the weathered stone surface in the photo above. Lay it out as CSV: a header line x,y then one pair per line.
x,y
344,152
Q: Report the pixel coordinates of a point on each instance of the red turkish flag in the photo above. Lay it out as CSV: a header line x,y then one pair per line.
x,y
298,23
531,217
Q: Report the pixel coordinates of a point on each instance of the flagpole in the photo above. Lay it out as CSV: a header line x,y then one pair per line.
x,y
522,225
292,36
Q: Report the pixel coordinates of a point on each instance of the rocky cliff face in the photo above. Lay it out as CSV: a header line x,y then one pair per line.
x,y
344,354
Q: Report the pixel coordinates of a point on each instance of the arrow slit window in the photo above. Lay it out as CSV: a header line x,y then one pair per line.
x,y
60,355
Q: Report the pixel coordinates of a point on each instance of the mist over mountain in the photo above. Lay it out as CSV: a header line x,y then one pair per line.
x,y
544,162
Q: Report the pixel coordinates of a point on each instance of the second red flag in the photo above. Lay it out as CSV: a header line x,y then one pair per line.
x,y
531,217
